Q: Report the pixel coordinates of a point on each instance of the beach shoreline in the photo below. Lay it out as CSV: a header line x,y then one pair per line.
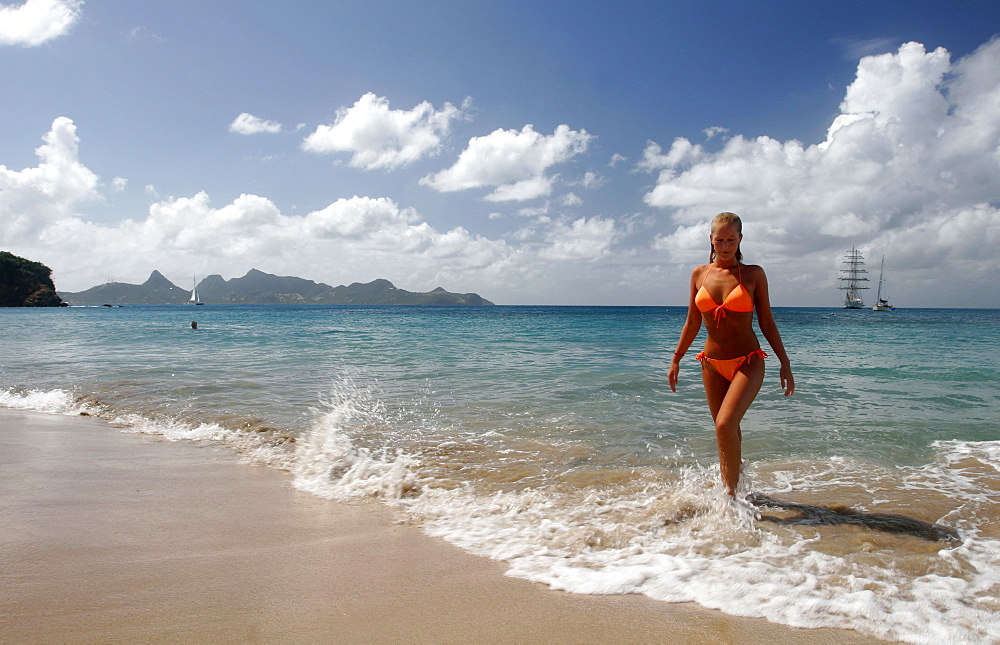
x,y
111,536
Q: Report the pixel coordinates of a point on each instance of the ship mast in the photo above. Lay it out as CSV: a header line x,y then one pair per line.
x,y
853,277
878,295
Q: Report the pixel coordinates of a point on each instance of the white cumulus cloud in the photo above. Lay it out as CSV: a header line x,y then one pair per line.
x,y
37,21
380,137
33,197
247,123
352,239
582,239
571,200
514,162
913,157
357,218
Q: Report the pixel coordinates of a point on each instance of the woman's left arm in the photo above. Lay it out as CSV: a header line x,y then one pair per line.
x,y
765,320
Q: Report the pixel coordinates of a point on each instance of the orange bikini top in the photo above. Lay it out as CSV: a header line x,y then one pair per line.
x,y
739,299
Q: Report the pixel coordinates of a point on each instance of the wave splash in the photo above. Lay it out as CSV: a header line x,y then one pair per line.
x,y
329,464
55,401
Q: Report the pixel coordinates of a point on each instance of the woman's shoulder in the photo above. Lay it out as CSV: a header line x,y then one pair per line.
x,y
754,274
698,273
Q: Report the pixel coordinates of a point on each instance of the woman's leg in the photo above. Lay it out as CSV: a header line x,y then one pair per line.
x,y
728,402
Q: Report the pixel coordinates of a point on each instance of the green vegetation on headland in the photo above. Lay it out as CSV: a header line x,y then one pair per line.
x,y
24,283
259,288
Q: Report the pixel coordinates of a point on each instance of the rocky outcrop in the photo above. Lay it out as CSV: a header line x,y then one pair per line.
x,y
24,283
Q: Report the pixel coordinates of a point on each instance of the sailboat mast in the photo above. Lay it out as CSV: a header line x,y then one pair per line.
x,y
881,267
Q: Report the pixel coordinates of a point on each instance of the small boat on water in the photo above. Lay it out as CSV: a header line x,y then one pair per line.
x,y
881,304
853,277
194,293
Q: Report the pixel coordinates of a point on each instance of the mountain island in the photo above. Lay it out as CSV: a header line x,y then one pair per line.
x,y
259,288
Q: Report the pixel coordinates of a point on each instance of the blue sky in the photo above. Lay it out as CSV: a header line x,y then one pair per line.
x,y
533,152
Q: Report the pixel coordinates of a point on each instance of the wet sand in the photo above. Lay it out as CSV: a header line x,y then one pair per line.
x,y
112,537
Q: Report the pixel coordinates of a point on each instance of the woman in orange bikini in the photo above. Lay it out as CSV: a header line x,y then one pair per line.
x,y
732,361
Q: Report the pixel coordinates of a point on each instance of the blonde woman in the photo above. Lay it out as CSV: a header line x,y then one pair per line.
x,y
724,295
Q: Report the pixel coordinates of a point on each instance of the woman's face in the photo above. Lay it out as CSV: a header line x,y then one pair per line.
x,y
725,240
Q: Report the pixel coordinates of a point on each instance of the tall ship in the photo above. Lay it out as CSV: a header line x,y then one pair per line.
x,y
853,278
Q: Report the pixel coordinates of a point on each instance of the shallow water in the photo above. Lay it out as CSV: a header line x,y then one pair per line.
x,y
546,437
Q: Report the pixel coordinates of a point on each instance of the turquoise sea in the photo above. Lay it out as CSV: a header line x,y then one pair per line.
x,y
546,437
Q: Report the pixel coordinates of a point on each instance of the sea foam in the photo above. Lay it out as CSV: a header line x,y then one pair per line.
x,y
54,401
678,541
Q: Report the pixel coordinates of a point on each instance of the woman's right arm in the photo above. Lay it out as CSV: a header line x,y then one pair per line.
x,y
692,325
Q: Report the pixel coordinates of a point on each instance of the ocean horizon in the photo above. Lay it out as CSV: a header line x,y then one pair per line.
x,y
546,437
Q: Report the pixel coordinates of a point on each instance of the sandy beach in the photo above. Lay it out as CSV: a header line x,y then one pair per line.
x,y
115,537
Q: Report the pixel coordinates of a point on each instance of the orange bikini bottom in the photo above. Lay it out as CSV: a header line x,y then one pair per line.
x,y
728,367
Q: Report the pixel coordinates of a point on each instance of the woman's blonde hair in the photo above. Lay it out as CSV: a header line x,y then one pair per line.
x,y
724,219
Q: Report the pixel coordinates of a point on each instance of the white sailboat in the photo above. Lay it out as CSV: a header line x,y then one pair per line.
x,y
881,304
194,292
853,277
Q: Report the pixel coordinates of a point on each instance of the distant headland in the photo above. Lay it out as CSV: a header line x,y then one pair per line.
x,y
259,288
24,283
